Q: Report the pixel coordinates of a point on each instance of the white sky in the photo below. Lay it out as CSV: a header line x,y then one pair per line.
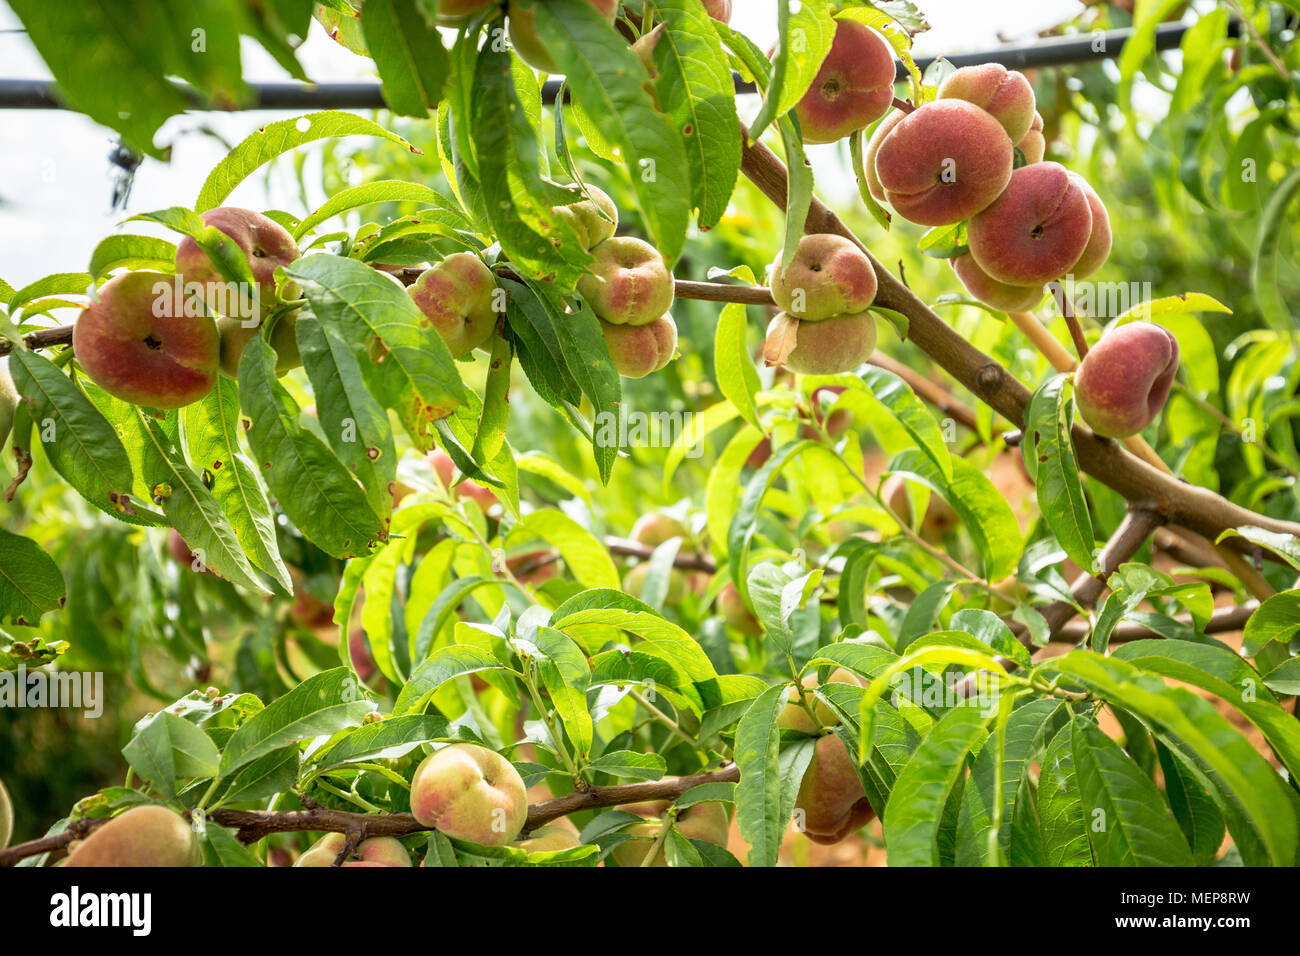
x,y
55,177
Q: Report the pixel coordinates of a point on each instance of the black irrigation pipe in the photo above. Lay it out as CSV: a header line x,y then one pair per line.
x,y
1052,51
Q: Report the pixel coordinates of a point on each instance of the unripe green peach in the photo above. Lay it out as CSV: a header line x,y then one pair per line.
x,y
629,283
639,350
235,336
265,244
635,579
458,296
1036,230
1005,94
999,295
828,347
1097,251
1033,144
853,88
1124,381
528,46
883,129
733,610
593,220
944,162
550,839
654,528
828,276
136,343
8,402
701,821
143,836
6,816
831,798
470,793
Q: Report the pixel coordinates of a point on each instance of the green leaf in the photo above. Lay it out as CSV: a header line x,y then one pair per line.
x,y
312,486
279,137
566,674
897,398
1264,268
983,510
1200,820
541,245
1023,739
78,440
758,797
442,665
212,434
1061,813
354,424
583,553
444,211
191,508
733,366
268,775
1245,778
1277,619
1222,672
405,363
795,64
1285,678
132,252
220,848
32,582
1129,823
408,51
630,765
84,44
321,705
606,78
171,748
1049,457
1285,546
697,93
607,608
385,740
914,812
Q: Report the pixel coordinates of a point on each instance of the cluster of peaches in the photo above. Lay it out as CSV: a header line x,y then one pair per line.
x,y
973,154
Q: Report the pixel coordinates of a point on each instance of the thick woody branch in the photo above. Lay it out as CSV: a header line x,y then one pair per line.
x,y
1143,485
1136,527
252,825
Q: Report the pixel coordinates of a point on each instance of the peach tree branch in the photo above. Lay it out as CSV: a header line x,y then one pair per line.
x,y
252,825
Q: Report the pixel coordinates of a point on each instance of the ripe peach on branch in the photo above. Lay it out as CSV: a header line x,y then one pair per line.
x,y
853,88
1124,380
943,162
